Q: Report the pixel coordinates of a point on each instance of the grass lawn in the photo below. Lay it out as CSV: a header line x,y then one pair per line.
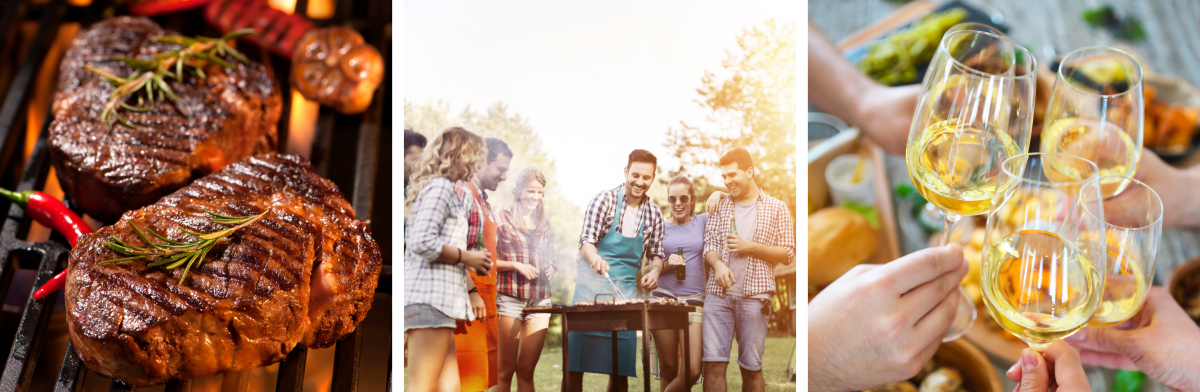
x,y
775,361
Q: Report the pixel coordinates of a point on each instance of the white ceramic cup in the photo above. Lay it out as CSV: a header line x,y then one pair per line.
x,y
840,176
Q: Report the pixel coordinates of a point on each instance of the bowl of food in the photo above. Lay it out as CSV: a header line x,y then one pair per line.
x,y
957,366
1184,286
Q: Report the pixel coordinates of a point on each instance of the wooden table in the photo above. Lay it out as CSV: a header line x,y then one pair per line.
x,y
644,317
1172,47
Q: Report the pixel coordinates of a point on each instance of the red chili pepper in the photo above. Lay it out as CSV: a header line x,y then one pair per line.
x,y
156,7
47,210
275,30
56,283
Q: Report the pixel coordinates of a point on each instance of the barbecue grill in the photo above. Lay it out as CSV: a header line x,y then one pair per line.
x,y
356,159
614,316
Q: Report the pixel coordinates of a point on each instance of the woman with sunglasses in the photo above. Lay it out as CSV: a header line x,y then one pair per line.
x,y
525,263
684,230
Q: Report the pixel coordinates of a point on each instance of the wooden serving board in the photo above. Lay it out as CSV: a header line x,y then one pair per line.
x,y
847,142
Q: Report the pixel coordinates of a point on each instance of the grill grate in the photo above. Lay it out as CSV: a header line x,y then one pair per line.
x,y
352,160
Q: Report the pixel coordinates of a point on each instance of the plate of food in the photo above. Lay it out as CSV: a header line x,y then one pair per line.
x,y
897,49
957,366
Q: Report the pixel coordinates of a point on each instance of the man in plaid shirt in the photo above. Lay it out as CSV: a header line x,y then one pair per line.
x,y
620,228
742,280
480,370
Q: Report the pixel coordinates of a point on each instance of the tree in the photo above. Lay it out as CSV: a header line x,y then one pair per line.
x,y
752,104
565,217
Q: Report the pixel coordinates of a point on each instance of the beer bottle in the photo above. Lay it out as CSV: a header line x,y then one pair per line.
x,y
480,246
732,226
681,271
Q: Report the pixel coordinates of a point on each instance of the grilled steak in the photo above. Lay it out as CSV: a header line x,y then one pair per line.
x,y
303,275
218,120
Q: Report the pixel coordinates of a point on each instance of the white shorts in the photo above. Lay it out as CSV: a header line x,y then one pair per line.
x,y
509,306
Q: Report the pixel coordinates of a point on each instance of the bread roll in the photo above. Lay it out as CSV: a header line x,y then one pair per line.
x,y
838,240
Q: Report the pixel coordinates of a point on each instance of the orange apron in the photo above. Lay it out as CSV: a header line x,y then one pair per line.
x,y
475,342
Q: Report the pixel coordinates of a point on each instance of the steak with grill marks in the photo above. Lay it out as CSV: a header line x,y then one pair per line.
x,y
304,274
228,115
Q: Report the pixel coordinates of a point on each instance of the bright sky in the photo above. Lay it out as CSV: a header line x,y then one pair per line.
x,y
595,79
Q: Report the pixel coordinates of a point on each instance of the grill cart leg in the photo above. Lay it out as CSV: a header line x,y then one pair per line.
x,y
614,358
687,358
566,383
645,348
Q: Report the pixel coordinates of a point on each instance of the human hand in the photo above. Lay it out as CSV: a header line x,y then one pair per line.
x,y
477,306
881,323
1161,341
714,200
478,261
526,270
885,115
736,244
599,266
1059,370
1175,187
650,279
724,276
676,260
550,272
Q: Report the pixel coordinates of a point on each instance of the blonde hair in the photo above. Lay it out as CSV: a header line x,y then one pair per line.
x,y
456,155
518,208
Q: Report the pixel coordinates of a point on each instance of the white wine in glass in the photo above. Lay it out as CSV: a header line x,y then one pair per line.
x,y
974,112
1096,111
1044,256
1133,229
1043,287
953,166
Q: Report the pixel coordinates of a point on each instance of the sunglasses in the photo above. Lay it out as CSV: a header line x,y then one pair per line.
x,y
682,199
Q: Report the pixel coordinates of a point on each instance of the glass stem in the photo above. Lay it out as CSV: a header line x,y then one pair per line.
x,y
951,219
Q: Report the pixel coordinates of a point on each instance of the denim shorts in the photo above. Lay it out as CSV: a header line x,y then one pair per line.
x,y
509,306
418,316
721,314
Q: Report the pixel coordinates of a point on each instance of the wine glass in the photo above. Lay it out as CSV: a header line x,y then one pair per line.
x,y
1133,228
975,110
1096,111
1044,249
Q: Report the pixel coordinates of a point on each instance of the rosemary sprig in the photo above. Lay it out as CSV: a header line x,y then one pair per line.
x,y
173,254
150,76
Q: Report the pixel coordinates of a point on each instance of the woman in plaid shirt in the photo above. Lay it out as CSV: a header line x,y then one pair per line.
x,y
437,290
526,265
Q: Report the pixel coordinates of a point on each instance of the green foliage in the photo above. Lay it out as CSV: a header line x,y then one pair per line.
x,y
752,105
1128,28
1128,381
566,219
866,211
